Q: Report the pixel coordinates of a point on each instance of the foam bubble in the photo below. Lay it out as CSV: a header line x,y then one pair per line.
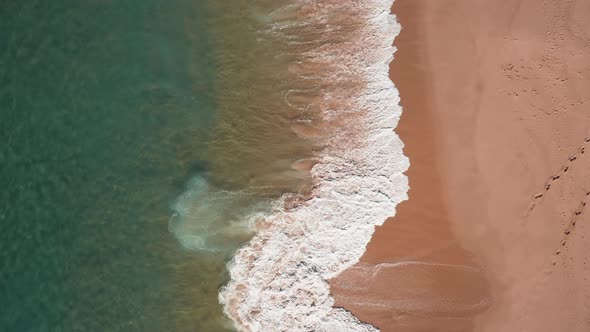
x,y
279,279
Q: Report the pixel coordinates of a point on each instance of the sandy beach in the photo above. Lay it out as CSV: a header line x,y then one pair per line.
x,y
496,124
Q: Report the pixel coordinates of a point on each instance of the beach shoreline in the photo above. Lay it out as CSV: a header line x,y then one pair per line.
x,y
415,250
494,235
339,53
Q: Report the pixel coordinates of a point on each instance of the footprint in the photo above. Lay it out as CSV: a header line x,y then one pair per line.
x,y
556,177
574,218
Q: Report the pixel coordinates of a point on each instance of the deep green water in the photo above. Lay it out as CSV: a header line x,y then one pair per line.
x,y
104,110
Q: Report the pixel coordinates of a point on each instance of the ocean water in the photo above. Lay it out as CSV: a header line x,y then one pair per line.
x,y
147,144
108,113
337,55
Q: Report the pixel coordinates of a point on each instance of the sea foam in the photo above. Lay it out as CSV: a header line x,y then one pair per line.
x,y
279,278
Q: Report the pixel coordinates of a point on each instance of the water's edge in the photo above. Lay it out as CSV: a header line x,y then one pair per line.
x,y
279,278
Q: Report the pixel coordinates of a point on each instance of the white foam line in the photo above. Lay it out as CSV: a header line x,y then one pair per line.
x,y
279,279
377,268
409,304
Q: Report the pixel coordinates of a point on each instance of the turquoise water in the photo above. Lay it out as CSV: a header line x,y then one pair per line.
x,y
105,110
137,136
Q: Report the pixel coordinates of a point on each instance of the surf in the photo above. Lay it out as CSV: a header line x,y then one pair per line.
x,y
278,279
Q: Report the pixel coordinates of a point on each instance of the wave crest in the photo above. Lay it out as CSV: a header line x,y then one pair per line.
x,y
279,279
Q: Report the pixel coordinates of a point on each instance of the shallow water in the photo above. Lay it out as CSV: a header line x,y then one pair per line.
x,y
339,52
252,147
144,141
110,111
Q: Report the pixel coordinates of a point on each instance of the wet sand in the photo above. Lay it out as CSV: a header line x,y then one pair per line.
x,y
494,236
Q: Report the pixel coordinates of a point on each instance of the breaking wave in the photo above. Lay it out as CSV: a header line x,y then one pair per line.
x,y
339,50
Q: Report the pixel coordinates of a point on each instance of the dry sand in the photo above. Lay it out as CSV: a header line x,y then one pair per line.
x,y
495,235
